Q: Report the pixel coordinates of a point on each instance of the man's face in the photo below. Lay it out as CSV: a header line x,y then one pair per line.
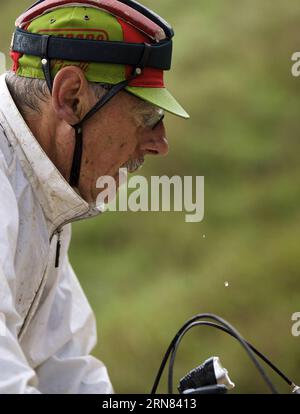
x,y
120,135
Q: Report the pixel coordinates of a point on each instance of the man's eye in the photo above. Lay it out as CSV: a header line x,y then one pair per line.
x,y
151,120
147,120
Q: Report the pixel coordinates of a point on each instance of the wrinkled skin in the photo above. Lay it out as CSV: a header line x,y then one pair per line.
x,y
120,134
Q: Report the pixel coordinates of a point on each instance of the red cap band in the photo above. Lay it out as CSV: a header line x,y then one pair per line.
x,y
150,77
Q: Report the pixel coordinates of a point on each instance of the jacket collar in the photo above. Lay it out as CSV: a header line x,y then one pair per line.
x,y
60,203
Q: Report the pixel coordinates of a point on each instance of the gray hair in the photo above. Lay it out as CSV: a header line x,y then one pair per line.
x,y
29,93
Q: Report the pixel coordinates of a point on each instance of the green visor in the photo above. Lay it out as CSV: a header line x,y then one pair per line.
x,y
160,97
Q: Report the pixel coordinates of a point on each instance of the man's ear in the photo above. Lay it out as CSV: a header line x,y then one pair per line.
x,y
70,95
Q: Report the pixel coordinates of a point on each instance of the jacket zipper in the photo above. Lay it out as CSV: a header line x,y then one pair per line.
x,y
58,246
59,230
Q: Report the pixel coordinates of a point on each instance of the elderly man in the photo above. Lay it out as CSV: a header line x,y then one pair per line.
x,y
70,61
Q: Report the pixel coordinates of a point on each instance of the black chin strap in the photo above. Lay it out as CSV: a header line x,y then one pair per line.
x,y
77,156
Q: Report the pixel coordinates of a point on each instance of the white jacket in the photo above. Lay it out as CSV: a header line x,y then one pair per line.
x,y
47,328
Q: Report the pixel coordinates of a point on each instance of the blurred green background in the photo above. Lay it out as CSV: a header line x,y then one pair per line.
x,y
146,273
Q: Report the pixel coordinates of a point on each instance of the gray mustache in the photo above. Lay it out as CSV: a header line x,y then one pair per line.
x,y
133,165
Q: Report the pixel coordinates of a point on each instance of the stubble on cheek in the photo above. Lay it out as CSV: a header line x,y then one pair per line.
x,y
109,142
106,159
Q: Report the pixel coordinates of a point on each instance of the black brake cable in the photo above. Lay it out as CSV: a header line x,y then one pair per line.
x,y
250,351
222,328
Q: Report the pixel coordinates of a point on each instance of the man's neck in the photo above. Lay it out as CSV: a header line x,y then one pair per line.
x,y
54,137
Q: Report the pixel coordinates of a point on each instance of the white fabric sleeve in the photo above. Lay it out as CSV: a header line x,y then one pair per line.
x,y
16,375
71,335
54,356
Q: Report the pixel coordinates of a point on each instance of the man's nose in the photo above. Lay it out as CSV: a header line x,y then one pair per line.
x,y
155,141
